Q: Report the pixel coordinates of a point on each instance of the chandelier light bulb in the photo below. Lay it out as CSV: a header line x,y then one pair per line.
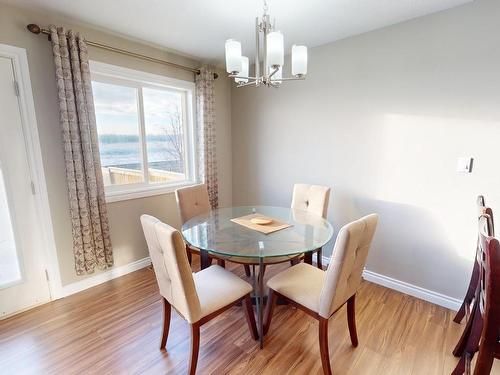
x,y
233,56
244,70
299,61
275,49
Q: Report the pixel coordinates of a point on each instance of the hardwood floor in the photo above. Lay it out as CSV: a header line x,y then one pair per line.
x,y
115,328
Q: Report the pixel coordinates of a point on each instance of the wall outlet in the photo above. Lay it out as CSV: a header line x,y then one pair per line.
x,y
464,165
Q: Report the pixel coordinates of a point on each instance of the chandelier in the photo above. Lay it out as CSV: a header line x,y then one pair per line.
x,y
273,57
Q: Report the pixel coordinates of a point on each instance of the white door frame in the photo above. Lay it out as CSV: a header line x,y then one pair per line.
x,y
34,152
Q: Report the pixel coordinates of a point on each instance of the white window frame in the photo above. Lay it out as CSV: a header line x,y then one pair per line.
x,y
117,75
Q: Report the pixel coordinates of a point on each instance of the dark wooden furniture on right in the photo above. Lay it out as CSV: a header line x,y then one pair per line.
x,y
471,337
469,305
465,309
489,305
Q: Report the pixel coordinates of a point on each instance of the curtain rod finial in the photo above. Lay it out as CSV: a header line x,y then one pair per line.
x,y
35,29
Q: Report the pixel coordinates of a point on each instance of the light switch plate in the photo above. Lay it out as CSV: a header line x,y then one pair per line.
x,y
464,164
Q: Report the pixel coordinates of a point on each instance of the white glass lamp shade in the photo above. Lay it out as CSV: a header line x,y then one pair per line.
x,y
233,56
275,49
244,70
299,60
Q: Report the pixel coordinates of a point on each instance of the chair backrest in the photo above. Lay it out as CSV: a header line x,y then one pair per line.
x,y
480,201
192,201
489,261
311,198
485,237
173,273
483,209
344,272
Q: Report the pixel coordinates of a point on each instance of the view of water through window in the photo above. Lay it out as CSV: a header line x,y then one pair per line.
x,y
118,126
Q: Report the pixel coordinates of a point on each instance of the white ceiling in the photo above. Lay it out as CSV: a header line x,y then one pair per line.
x,y
200,27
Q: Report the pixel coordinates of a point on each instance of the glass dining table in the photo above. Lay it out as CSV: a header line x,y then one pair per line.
x,y
214,233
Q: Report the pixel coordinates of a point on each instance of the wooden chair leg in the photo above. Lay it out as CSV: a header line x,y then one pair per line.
x,y
247,270
460,367
295,261
195,348
167,309
461,312
221,262
471,345
323,346
250,317
462,342
351,320
469,296
319,259
271,302
485,360
205,259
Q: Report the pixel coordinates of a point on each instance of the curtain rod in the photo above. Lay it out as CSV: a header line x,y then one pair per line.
x,y
35,29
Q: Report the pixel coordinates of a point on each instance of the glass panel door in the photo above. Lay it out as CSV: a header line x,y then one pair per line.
x,y
10,271
23,280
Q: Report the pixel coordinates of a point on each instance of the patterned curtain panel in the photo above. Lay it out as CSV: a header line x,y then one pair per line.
x,y
89,219
205,110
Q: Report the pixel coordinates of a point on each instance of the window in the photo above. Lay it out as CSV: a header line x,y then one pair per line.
x,y
145,129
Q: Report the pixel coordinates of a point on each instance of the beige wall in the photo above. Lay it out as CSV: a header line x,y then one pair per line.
x,y
127,237
382,118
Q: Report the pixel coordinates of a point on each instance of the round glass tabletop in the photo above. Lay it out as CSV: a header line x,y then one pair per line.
x,y
216,233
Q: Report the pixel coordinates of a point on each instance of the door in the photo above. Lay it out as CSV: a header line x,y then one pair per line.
x,y
23,279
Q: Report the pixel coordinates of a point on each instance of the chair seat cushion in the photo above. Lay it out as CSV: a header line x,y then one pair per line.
x,y
217,288
301,283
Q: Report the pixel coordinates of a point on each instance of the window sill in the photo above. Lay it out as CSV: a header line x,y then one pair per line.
x,y
144,192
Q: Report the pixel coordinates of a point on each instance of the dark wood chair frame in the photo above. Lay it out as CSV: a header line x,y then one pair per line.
x,y
467,305
489,348
308,258
195,327
469,342
206,259
323,324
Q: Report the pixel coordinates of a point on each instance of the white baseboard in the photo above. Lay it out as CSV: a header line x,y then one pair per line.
x,y
410,289
388,282
413,290
103,277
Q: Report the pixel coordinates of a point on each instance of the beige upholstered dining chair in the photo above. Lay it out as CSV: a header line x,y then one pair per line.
x,y
197,298
321,293
193,201
314,199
